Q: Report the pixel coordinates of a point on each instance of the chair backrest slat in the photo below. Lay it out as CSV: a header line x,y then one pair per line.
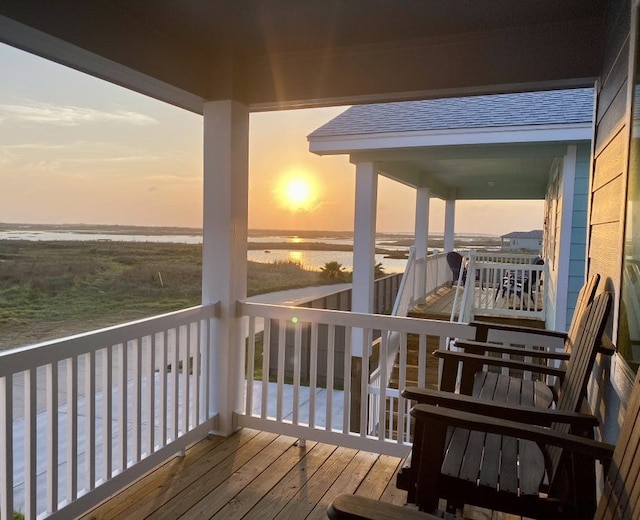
x,y
574,386
620,498
585,297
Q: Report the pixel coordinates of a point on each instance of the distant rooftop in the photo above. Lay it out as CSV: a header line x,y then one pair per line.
x,y
535,234
519,109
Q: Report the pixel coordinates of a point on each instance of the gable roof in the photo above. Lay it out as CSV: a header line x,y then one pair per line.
x,y
469,148
501,110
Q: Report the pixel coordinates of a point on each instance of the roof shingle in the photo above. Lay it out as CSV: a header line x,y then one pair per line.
x,y
519,109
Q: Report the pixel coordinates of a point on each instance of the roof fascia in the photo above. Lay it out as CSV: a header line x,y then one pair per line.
x,y
570,132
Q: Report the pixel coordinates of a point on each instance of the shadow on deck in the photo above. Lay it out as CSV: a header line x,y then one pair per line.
x,y
262,476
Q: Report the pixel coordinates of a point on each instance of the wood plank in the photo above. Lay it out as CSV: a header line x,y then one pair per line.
x,y
466,465
114,507
245,500
273,502
338,471
392,494
610,163
348,481
377,479
604,251
202,476
613,119
143,496
509,455
314,489
606,202
212,502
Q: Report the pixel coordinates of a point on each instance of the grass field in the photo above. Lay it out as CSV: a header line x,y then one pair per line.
x,y
53,289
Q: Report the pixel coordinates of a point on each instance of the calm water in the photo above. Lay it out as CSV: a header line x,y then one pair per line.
x,y
309,259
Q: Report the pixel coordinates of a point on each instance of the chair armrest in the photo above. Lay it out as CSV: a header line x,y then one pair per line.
x,y
516,413
480,359
545,436
352,507
480,346
484,326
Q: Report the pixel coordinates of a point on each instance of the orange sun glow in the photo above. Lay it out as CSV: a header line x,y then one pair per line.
x,y
297,193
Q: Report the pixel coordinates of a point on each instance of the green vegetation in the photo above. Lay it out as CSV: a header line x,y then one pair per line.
x,y
53,289
333,271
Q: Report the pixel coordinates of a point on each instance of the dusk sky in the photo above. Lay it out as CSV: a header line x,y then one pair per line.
x,y
76,149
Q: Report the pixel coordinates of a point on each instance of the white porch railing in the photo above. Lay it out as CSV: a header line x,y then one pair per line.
x,y
437,273
421,278
407,290
505,258
493,287
413,287
83,416
310,393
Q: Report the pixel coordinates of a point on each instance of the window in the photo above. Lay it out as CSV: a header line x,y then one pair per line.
x,y
629,322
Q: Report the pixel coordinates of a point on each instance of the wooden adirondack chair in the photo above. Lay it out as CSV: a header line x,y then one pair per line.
x,y
500,472
544,395
505,391
620,499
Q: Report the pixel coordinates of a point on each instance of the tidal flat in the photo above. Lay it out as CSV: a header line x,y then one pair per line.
x,y
53,289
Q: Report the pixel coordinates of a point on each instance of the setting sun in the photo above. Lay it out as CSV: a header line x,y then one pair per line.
x,y
298,193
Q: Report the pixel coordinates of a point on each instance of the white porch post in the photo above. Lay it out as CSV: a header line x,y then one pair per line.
x,y
449,224
564,240
224,249
364,242
421,239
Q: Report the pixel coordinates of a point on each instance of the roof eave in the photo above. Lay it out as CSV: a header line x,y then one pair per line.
x,y
346,144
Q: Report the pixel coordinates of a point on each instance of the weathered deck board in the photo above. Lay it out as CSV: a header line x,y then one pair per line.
x,y
253,475
258,475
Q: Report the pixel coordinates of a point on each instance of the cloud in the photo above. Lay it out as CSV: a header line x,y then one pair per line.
x,y
69,115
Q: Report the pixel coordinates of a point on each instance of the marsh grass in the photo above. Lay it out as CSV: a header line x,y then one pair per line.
x,y
53,289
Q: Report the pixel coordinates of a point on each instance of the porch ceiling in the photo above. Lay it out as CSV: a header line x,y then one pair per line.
x,y
272,53
474,173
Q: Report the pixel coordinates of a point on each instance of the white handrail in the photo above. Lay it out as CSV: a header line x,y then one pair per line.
x,y
406,290
118,402
512,288
315,402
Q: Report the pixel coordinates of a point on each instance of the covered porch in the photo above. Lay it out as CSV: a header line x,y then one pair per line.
x,y
83,418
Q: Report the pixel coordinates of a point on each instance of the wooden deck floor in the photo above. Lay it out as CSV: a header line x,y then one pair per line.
x,y
258,475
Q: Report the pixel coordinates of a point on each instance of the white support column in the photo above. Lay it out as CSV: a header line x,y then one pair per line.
x,y
364,242
564,240
421,239
449,224
224,249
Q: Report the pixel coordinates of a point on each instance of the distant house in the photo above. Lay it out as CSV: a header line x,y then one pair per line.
x,y
531,240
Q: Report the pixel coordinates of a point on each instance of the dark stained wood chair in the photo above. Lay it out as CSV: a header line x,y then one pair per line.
x,y
541,358
620,498
465,466
505,391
